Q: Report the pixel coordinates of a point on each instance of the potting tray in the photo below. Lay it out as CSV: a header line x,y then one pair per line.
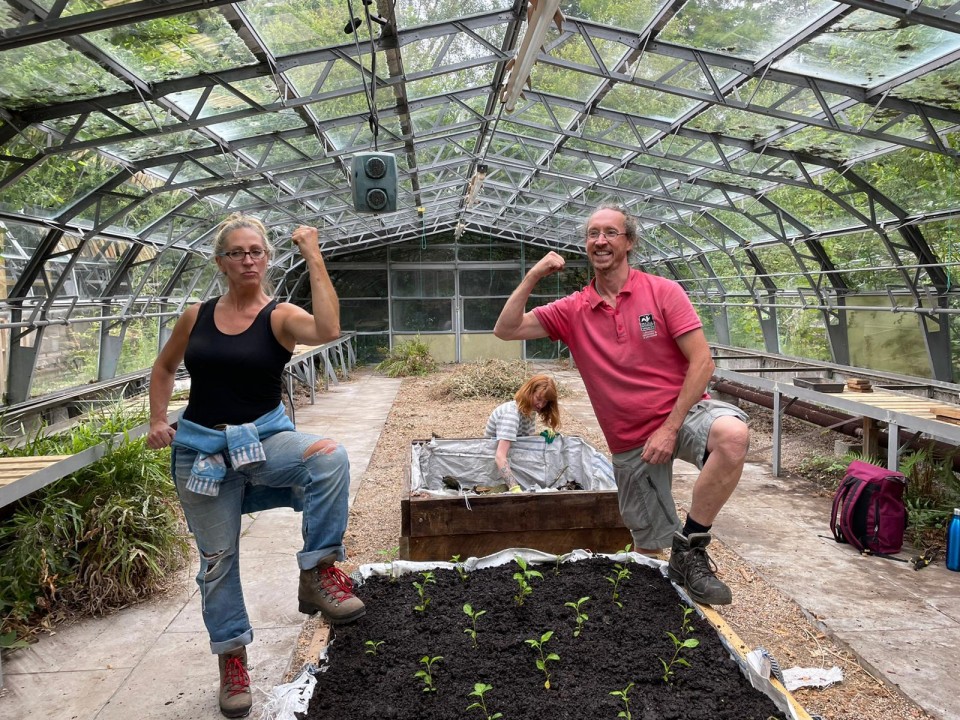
x,y
820,384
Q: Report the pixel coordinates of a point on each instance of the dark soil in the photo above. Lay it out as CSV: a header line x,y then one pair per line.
x,y
618,646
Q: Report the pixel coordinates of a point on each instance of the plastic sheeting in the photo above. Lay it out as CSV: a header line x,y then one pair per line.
x,y
537,465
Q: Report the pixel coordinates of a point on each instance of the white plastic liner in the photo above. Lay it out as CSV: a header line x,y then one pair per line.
x,y
537,465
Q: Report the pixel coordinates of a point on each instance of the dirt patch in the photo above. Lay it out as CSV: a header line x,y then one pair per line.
x,y
622,644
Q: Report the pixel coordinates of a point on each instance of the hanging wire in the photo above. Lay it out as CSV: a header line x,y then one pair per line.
x,y
371,94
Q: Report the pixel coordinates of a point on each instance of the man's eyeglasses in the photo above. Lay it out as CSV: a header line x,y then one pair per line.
x,y
238,255
609,234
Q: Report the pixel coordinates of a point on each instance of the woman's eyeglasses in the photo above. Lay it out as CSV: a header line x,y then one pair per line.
x,y
238,255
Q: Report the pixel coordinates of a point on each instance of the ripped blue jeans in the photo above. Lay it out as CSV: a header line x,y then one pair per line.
x,y
319,484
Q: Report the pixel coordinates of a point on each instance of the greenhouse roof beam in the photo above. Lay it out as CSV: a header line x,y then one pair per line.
x,y
55,26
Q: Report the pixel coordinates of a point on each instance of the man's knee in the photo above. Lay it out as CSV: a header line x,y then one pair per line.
x,y
730,437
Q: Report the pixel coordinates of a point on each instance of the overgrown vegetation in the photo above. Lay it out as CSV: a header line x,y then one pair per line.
x,y
408,357
932,491
499,379
97,540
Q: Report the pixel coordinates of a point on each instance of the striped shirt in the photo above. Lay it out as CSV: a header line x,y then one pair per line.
x,y
507,423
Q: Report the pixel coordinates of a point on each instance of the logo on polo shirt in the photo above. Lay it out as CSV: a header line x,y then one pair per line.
x,y
648,328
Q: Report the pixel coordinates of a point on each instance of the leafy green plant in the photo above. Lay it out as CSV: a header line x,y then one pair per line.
x,y
686,628
373,646
932,491
427,673
458,566
408,357
101,538
523,577
624,696
473,615
389,555
543,657
582,617
479,690
621,573
421,587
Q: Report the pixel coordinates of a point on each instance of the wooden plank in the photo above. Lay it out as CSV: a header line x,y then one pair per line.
x,y
556,542
946,411
507,512
16,468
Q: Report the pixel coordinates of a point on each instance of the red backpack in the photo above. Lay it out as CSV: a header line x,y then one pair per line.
x,y
868,509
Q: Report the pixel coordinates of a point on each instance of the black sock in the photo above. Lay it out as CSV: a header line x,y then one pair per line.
x,y
692,526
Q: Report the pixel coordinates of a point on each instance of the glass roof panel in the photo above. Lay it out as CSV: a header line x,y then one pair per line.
x,y
864,261
446,83
829,144
154,145
56,182
635,15
654,104
52,72
175,46
749,29
940,88
865,48
291,26
917,181
422,12
738,123
563,82
260,124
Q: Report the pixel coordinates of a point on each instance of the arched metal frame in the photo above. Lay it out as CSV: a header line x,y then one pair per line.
x,y
714,146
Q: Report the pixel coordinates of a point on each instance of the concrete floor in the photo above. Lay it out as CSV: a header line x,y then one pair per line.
x,y
153,661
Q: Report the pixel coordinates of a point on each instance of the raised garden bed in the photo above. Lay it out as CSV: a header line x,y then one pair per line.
x,y
570,500
621,648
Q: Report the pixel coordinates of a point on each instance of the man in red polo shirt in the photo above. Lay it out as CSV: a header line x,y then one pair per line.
x,y
645,363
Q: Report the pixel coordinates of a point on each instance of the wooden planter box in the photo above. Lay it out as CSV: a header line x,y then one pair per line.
x,y
440,527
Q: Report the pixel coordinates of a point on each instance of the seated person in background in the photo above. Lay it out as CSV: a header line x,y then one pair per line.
x,y
518,417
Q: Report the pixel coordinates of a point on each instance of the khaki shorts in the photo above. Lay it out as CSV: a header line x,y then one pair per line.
x,y
645,491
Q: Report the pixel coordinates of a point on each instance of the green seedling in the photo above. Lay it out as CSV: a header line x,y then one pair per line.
x,y
422,591
621,573
389,555
427,673
625,699
373,647
458,566
473,615
560,559
523,578
686,627
544,657
479,690
582,617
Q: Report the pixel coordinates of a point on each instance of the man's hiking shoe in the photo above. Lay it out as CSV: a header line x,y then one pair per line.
x,y
691,568
235,696
329,591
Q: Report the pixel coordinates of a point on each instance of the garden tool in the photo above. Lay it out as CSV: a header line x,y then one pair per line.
x,y
548,435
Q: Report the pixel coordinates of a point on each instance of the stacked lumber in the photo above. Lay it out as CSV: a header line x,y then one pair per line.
x,y
859,385
947,414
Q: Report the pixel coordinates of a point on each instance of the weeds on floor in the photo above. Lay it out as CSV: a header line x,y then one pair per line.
x,y
407,358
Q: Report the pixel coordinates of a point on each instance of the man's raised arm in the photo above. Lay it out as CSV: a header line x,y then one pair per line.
x,y
514,323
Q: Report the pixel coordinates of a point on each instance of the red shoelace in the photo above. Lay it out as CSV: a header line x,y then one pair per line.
x,y
235,676
335,581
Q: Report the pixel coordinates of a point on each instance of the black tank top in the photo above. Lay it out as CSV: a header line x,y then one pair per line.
x,y
234,379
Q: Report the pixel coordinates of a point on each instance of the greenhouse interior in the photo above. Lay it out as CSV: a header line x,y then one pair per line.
x,y
793,165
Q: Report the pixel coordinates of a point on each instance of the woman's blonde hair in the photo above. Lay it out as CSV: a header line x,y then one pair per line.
x,y
236,221
550,414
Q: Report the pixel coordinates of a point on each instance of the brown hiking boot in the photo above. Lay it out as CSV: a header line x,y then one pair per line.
x,y
691,568
235,696
328,590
